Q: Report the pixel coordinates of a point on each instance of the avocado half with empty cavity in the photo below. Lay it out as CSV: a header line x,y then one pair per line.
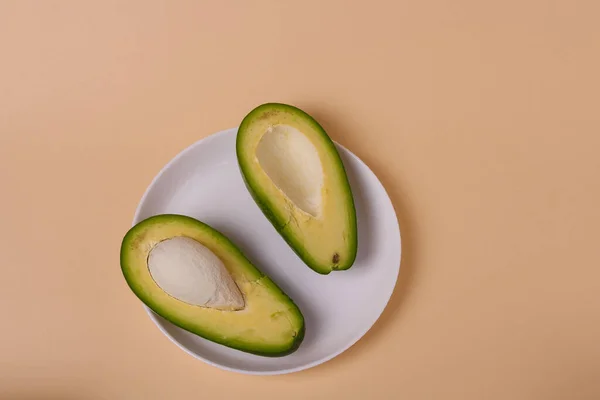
x,y
293,171
196,278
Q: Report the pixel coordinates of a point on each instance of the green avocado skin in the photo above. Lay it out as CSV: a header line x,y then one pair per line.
x,y
146,298
278,223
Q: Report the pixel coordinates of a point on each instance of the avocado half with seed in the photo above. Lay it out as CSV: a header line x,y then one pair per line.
x,y
294,173
196,278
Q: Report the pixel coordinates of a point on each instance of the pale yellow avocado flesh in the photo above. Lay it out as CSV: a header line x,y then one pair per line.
x,y
322,233
269,324
312,230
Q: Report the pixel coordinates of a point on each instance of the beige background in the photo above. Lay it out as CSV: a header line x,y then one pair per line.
x,y
482,121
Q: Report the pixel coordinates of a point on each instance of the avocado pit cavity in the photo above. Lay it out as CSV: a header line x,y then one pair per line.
x,y
292,163
192,273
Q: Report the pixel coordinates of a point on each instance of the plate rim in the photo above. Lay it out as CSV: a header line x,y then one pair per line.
x,y
281,371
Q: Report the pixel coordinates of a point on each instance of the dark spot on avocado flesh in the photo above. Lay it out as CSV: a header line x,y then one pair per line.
x,y
268,114
138,240
336,258
277,314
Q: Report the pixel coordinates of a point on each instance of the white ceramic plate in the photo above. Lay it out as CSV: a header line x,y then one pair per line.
x,y
204,182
